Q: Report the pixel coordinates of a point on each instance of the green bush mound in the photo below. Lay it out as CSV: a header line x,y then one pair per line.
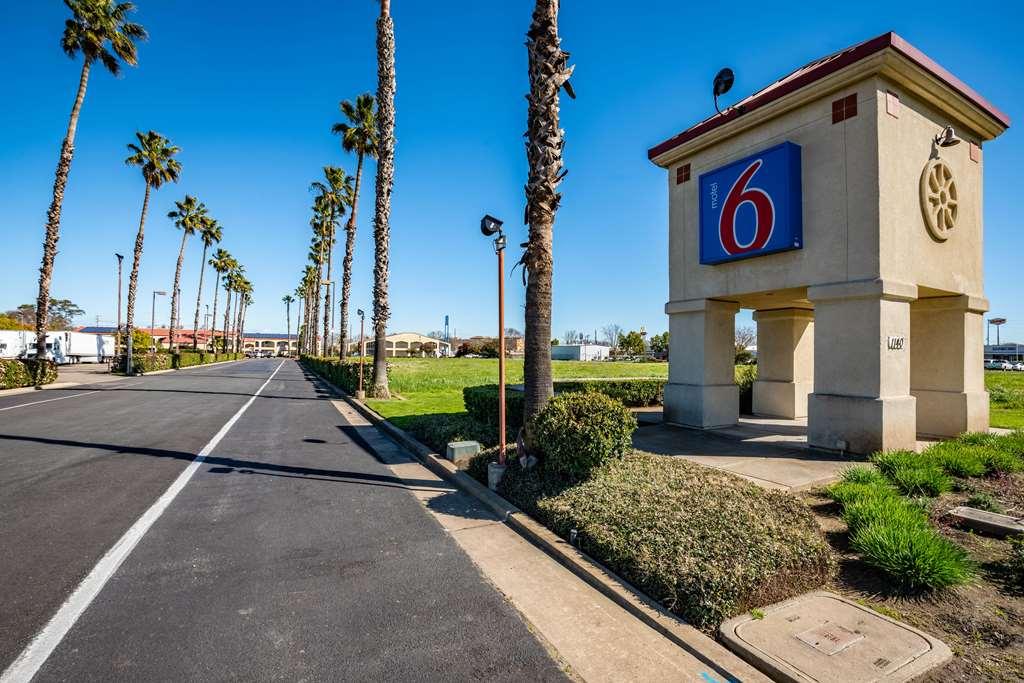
x,y
634,392
145,362
706,544
22,373
892,533
577,432
482,405
437,430
188,359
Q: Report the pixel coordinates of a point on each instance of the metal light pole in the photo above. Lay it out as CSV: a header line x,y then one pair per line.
x,y
117,337
360,394
152,315
489,225
998,322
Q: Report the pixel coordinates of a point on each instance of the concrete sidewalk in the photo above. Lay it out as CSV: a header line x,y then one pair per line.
x,y
773,454
593,636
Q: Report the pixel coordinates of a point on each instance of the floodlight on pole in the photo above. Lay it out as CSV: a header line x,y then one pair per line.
x,y
722,84
489,226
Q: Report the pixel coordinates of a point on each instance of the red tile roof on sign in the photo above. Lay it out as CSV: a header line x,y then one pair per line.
x,y
820,68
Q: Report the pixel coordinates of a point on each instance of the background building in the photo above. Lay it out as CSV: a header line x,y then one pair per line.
x,y
405,345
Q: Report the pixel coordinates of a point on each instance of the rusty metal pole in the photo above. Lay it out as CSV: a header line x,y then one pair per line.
x,y
362,320
501,352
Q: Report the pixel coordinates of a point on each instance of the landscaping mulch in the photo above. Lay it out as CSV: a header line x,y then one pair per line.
x,y
982,621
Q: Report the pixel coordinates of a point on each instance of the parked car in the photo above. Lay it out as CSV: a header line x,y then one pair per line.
x,y
992,364
1019,367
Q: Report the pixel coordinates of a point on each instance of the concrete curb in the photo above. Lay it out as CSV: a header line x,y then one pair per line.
x,y
619,591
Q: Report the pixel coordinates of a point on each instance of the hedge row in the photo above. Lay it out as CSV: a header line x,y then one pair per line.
x,y
21,373
188,359
482,401
340,374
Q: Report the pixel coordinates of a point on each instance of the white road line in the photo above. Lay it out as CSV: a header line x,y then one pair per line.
x,y
59,398
46,641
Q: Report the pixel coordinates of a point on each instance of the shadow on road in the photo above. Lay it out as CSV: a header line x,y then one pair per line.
x,y
226,465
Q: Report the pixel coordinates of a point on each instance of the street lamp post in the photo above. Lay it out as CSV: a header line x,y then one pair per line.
x,y
152,316
360,394
489,225
117,337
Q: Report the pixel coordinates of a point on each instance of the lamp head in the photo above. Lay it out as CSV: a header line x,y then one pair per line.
x,y
723,81
159,292
490,225
120,257
947,138
359,312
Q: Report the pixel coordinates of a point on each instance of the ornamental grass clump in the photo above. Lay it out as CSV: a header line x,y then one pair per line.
x,y
916,557
914,474
706,544
577,432
960,459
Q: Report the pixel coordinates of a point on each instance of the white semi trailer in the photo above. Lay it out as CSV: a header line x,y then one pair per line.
x,y
72,347
12,344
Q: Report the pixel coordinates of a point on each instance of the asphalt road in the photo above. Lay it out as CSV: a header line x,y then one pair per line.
x,y
291,554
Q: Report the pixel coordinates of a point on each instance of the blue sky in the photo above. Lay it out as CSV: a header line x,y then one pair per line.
x,y
249,89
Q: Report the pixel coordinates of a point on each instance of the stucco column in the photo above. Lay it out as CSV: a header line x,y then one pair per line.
x,y
785,362
947,376
701,390
861,401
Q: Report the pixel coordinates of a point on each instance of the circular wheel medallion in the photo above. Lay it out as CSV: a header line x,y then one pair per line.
x,y
939,199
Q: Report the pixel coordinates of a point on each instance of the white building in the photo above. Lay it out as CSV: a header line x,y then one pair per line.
x,y
405,345
579,352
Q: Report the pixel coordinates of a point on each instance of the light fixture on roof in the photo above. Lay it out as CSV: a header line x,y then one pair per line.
x,y
947,138
723,82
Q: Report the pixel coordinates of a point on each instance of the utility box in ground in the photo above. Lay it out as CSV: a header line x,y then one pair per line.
x,y
843,204
461,452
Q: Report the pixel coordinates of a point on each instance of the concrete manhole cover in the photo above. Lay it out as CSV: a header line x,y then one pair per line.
x,y
821,636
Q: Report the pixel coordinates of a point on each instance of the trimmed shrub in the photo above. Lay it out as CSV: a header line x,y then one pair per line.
x,y
145,362
633,392
482,405
437,430
745,376
579,431
22,373
704,543
914,556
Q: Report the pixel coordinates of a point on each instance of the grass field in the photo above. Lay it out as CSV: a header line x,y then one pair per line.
x,y
433,386
1006,393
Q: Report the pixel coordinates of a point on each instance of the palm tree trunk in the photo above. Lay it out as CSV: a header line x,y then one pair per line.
x,y
133,280
239,312
213,322
346,265
548,71
288,334
227,316
174,292
199,299
60,181
384,184
327,289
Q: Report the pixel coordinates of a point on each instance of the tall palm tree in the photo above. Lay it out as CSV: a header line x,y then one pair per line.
x,y
222,262
549,71
94,24
210,232
359,137
384,183
231,279
154,155
244,292
300,294
288,300
189,216
336,194
318,251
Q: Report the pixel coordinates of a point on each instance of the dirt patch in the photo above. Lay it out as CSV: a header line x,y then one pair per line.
x,y
983,622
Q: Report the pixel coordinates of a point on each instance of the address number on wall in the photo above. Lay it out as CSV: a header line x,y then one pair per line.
x,y
895,343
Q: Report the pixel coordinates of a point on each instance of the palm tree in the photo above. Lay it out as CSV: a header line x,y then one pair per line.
x,y
549,71
231,280
244,291
288,300
155,156
336,195
93,25
317,252
385,181
222,263
189,216
210,232
358,136
300,294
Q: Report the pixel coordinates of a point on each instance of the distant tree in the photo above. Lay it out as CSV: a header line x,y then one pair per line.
x,y
466,348
746,336
632,343
512,332
659,343
63,313
189,216
571,336
555,342
9,322
610,333
211,233
435,334
429,347
489,349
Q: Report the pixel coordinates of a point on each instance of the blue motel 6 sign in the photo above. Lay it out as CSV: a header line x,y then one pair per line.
x,y
752,206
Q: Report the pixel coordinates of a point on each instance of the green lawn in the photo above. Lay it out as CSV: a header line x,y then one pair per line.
x,y
434,385
1006,392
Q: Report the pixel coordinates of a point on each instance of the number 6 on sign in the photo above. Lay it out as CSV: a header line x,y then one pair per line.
x,y
752,206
